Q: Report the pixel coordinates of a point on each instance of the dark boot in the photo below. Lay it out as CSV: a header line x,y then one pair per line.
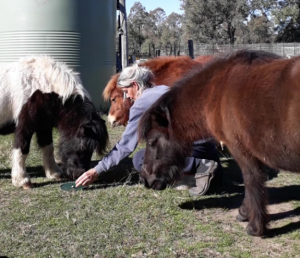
x,y
205,172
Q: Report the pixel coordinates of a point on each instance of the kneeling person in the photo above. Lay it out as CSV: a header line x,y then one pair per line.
x,y
136,83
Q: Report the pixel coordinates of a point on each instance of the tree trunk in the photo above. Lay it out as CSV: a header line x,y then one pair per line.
x,y
149,50
231,33
191,48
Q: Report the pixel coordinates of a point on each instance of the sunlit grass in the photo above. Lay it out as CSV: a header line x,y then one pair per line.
x,y
126,220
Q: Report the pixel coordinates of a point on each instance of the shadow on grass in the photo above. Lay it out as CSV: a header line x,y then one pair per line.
x,y
36,171
291,227
121,174
232,198
231,195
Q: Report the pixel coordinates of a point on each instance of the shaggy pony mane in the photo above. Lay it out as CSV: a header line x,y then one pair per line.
x,y
19,80
45,74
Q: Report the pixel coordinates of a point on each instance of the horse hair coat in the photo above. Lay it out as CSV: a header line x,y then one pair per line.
x,y
249,100
38,93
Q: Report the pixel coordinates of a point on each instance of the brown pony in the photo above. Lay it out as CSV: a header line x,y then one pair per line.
x,y
166,70
249,100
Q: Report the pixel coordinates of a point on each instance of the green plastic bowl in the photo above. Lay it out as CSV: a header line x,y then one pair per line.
x,y
71,187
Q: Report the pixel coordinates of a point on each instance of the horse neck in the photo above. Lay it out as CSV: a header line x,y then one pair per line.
x,y
188,120
70,115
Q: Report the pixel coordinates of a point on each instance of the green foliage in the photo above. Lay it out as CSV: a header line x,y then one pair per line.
x,y
153,30
260,29
214,21
171,34
285,15
138,20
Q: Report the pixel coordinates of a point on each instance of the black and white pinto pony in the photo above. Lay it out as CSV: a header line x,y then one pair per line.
x,y
37,94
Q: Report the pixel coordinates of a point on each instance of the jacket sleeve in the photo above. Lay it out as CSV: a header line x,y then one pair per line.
x,y
126,145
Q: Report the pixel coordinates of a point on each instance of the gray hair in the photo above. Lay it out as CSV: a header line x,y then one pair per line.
x,y
139,74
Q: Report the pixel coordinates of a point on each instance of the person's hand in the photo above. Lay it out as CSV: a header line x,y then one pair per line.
x,y
87,178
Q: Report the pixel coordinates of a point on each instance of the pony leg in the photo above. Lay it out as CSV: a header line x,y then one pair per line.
x,y
45,141
18,172
52,170
243,213
253,208
23,135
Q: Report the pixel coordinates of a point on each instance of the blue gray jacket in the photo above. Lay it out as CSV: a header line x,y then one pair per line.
x,y
129,139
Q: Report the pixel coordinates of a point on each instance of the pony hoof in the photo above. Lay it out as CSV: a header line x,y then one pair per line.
x,y
58,178
241,218
252,232
27,186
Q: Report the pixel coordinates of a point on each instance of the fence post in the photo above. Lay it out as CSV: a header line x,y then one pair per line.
x,y
124,36
191,48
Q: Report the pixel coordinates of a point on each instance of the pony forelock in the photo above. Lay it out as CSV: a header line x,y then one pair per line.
x,y
111,85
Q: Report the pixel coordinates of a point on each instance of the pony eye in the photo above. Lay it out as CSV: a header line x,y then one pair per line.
x,y
113,100
151,143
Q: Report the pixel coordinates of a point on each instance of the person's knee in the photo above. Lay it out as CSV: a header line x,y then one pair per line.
x,y
138,160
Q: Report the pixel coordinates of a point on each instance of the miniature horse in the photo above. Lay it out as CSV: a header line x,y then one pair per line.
x,y
249,100
166,70
38,94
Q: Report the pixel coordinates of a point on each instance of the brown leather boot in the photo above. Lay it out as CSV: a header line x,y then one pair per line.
x,y
204,174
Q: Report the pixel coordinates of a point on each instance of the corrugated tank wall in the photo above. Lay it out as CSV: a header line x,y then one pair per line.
x,y
80,33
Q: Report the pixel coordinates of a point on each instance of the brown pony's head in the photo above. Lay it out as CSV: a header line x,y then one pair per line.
x,y
166,71
119,106
165,155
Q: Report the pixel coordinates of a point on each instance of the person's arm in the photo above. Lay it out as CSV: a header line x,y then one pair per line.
x,y
126,145
120,151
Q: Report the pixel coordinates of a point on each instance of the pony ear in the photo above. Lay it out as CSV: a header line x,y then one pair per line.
x,y
154,117
88,130
160,119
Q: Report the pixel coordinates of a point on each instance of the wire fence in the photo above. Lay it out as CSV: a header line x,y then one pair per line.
x,y
283,49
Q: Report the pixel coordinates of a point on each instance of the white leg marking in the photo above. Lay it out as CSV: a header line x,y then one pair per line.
x,y
18,171
52,170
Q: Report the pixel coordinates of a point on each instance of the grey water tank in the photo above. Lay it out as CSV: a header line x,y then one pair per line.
x,y
80,33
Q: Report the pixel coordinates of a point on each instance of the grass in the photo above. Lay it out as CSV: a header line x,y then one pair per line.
x,y
117,217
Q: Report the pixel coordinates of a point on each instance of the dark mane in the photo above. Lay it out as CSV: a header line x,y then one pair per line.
x,y
246,57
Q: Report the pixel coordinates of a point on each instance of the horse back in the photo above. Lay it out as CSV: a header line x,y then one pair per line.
x,y
167,70
257,108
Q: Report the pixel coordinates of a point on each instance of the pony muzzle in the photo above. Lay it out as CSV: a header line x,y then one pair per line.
x,y
153,182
